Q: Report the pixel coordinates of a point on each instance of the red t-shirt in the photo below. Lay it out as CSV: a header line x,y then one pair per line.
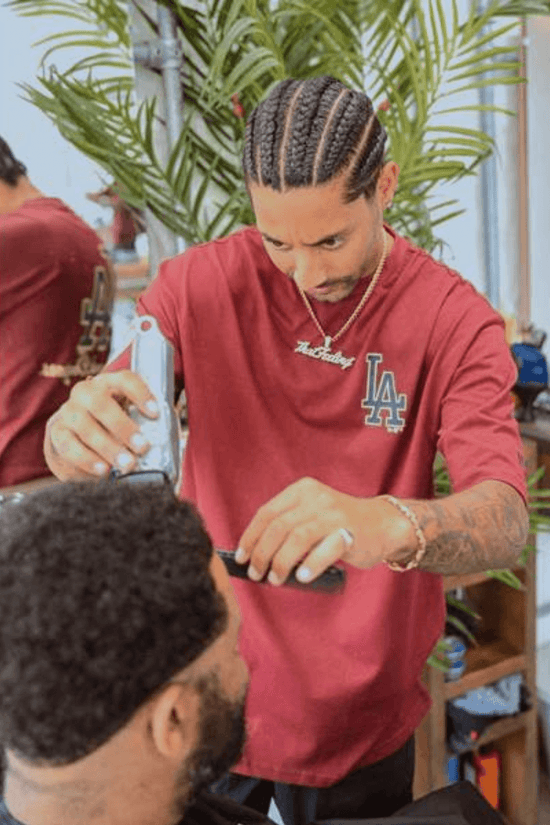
x,y
335,679
55,296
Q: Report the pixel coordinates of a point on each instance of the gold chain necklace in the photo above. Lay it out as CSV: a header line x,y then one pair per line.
x,y
324,353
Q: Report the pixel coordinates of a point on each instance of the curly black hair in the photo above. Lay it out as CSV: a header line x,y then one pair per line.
x,y
105,594
11,169
307,132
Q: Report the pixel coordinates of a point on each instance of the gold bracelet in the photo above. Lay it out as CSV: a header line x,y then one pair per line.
x,y
421,546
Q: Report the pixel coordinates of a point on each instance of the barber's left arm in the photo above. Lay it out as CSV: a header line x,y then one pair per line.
x,y
482,528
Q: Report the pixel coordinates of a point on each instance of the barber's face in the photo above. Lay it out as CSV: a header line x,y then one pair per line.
x,y
322,243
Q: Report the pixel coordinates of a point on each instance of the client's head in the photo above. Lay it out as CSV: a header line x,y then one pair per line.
x,y
121,686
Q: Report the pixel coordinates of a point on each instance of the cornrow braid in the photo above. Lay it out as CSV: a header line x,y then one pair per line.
x,y
270,128
326,132
285,141
307,132
366,169
250,147
344,142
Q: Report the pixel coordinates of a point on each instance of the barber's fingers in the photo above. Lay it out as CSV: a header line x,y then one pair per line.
x,y
106,398
79,439
325,550
283,543
290,526
92,432
125,386
68,457
312,525
333,547
273,521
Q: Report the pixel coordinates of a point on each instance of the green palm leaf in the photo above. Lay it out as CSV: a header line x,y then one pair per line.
x,y
416,54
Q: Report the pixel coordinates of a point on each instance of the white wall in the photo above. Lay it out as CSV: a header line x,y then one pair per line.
x,y
463,235
54,166
538,97
539,168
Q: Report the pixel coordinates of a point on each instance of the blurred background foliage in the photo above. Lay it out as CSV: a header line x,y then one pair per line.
x,y
417,59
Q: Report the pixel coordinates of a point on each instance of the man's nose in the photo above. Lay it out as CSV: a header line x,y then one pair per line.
x,y
307,272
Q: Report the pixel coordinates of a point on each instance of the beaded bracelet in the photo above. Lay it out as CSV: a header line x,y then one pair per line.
x,y
421,547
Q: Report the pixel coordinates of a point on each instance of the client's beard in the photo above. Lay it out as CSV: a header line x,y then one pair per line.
x,y
221,741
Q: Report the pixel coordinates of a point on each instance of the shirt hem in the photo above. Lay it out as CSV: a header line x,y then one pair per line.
x,y
318,780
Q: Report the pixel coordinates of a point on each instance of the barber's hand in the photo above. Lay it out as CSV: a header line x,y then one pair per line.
x,y
91,432
311,524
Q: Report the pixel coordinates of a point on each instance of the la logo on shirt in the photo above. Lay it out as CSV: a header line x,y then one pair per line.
x,y
384,405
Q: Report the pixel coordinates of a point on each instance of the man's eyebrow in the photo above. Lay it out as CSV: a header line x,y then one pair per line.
x,y
320,242
269,237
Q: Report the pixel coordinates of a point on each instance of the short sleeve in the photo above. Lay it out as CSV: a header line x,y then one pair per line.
x,y
479,435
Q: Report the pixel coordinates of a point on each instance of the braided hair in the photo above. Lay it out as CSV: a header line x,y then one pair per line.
x,y
308,131
11,169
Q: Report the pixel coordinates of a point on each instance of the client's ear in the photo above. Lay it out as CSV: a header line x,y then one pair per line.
x,y
175,720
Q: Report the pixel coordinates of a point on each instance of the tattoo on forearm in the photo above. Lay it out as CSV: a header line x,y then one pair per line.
x,y
482,528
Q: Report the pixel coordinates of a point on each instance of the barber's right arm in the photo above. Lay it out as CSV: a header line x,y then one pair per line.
x,y
91,432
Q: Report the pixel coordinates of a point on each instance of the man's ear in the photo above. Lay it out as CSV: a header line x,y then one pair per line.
x,y
175,720
387,184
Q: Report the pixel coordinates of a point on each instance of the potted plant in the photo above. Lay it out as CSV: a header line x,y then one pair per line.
x,y
417,58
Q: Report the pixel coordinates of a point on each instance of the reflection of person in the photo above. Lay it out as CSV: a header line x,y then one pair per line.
x,y
128,222
55,297
325,360
121,686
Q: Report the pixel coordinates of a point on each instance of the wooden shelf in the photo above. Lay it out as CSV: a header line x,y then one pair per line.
x,y
499,730
486,664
